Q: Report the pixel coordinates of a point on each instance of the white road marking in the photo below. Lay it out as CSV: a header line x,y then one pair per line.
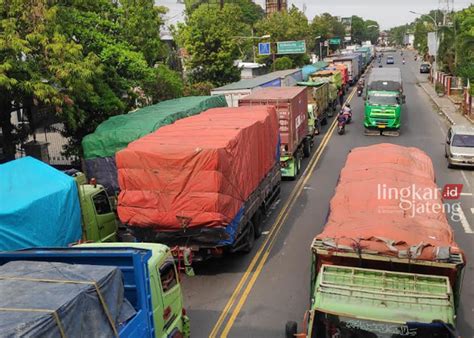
x,y
265,233
472,210
466,194
464,222
465,179
308,188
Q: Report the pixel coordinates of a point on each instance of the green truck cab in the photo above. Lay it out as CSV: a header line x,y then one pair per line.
x,y
99,221
383,101
169,316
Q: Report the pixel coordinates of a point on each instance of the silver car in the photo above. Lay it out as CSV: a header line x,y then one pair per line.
x,y
459,147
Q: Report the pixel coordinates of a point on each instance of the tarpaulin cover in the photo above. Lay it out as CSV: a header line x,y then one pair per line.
x,y
39,206
200,169
118,131
104,170
310,69
335,76
77,305
363,214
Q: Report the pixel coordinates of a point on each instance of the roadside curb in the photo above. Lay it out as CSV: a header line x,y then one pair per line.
x,y
451,121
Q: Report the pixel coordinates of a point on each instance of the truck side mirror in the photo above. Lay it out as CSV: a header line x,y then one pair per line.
x,y
404,98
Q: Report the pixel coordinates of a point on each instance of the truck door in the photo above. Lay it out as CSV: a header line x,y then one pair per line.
x,y
105,217
171,295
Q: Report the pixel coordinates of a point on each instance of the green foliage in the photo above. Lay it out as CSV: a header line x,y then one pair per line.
x,y
286,26
210,41
198,89
325,26
283,63
363,30
84,59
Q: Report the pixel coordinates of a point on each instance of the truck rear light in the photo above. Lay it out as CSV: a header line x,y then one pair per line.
x,y
93,182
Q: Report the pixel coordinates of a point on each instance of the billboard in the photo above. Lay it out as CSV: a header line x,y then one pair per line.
x,y
432,43
347,22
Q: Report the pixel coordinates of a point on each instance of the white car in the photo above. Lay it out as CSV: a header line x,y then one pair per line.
x,y
459,149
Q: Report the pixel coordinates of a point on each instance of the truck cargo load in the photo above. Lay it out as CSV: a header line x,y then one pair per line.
x,y
352,61
118,131
52,299
199,173
362,220
292,106
122,290
313,68
236,90
386,262
39,206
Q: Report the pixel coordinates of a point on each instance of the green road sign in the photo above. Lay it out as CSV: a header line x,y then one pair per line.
x,y
335,41
291,47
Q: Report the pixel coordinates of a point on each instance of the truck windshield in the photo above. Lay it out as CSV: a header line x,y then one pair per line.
x,y
383,100
463,140
334,326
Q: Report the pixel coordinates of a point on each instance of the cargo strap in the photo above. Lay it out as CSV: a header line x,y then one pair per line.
x,y
99,294
54,313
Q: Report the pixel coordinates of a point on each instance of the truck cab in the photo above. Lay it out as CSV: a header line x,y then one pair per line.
x,y
382,109
169,317
98,217
358,302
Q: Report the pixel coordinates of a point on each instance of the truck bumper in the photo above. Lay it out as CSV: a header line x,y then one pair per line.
x,y
376,123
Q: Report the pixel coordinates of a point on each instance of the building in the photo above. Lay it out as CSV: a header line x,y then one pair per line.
x,y
272,6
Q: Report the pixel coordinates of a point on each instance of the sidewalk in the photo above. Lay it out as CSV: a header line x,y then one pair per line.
x,y
445,105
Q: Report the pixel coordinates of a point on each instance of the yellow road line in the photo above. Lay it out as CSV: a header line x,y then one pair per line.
x,y
262,262
270,238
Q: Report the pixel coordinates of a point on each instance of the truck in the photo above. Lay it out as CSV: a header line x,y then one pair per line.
x,y
334,78
318,105
92,290
42,206
292,106
118,131
344,74
352,63
204,184
386,264
236,90
383,102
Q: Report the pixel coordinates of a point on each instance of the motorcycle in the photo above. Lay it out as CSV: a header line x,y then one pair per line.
x,y
403,61
359,91
347,114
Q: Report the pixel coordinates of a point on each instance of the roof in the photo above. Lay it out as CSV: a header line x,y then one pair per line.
x,y
311,83
385,74
384,296
275,93
346,57
257,81
463,129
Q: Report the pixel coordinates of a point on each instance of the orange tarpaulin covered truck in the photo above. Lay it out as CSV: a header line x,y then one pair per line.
x,y
204,182
386,263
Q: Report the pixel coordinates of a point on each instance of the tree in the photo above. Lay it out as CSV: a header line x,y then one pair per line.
x,y
358,29
326,26
210,41
372,31
286,26
283,63
81,60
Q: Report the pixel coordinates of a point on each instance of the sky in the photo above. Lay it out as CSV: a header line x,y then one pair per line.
x,y
388,13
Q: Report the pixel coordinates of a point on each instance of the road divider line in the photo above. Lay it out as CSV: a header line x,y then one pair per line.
x,y
264,251
262,262
464,222
250,268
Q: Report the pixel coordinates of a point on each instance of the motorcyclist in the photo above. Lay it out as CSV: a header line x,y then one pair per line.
x,y
403,60
360,85
347,111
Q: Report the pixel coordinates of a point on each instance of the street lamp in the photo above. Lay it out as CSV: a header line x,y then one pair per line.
x,y
436,32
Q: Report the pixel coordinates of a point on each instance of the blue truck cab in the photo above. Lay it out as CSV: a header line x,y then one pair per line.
x,y
150,279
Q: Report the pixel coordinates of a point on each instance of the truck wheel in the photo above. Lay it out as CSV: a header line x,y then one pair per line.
x,y
291,329
257,221
306,147
249,238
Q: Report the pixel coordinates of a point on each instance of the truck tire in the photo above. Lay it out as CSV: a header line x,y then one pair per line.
x,y
291,329
306,147
324,121
249,238
257,221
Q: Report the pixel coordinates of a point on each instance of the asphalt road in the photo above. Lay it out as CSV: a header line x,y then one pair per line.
x,y
276,289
